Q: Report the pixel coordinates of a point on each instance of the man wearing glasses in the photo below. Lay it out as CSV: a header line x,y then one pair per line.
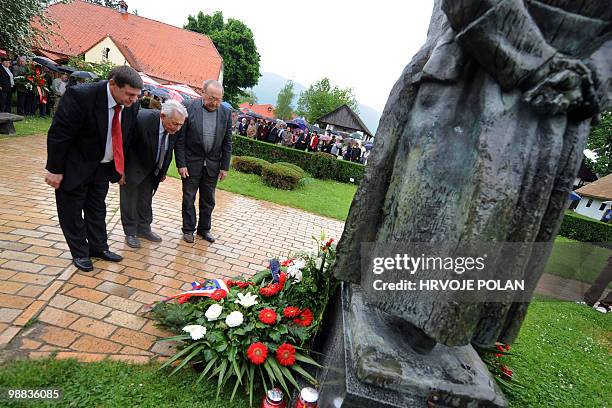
x,y
203,151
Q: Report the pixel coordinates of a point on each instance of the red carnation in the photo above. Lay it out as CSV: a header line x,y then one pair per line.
x,y
282,279
290,312
270,290
328,244
506,370
30,78
218,294
257,353
304,319
285,354
267,316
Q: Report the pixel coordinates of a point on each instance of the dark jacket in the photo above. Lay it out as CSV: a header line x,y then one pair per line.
x,y
141,158
77,137
5,81
189,148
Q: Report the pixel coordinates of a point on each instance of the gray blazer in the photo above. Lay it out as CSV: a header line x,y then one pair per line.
x,y
189,149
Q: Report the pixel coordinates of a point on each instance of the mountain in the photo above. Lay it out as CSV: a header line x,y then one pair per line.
x,y
270,84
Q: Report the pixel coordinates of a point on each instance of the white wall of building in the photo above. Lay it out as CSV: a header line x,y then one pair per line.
x,y
96,53
593,210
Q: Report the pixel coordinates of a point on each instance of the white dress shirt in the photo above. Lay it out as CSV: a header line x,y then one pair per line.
x,y
108,151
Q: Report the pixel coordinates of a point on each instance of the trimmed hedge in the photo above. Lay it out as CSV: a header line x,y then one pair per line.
x,y
280,176
342,170
248,164
583,229
297,168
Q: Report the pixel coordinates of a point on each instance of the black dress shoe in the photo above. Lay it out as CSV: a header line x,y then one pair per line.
x,y
132,241
83,264
207,236
150,236
188,238
106,255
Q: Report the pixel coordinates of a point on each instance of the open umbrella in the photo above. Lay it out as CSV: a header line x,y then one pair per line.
x,y
66,69
182,89
157,91
298,122
84,75
368,146
575,197
46,62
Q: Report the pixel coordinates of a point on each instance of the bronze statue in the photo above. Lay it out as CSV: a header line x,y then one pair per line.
x,y
480,140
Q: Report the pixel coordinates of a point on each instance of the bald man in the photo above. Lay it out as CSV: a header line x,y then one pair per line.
x,y
203,151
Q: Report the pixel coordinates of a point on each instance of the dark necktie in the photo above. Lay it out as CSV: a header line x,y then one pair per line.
x,y
161,153
117,140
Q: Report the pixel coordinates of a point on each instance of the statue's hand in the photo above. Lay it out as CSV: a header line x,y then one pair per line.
x,y
564,86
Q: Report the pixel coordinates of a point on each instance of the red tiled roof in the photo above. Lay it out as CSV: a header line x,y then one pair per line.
x,y
158,49
266,110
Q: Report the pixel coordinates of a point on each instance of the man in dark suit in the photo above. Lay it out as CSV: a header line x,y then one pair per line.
x,y
91,129
7,82
203,152
146,166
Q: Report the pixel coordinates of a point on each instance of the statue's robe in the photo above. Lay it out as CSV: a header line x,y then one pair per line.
x,y
459,156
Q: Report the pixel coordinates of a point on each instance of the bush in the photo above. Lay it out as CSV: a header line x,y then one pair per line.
x,y
575,226
280,176
297,168
344,172
248,164
323,166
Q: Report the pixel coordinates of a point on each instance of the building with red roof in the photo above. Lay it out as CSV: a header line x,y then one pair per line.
x,y
265,110
164,52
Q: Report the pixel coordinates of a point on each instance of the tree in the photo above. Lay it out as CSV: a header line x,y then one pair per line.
x,y
234,41
18,36
284,100
248,96
600,142
321,98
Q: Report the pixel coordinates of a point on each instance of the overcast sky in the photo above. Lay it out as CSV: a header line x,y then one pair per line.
x,y
364,47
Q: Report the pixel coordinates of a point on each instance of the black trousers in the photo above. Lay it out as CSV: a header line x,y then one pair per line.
x,y
206,185
136,206
599,285
5,101
82,213
25,100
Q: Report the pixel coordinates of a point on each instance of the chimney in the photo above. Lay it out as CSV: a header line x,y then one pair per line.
x,y
123,7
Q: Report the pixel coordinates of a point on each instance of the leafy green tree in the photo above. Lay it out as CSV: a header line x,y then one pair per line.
x,y
18,36
101,70
321,98
248,96
284,100
235,42
600,142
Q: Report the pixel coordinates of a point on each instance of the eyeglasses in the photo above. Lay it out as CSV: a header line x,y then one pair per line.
x,y
212,98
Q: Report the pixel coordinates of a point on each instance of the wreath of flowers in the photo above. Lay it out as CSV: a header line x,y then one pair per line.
x,y
259,329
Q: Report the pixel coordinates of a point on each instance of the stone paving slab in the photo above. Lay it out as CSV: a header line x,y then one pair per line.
x,y
48,307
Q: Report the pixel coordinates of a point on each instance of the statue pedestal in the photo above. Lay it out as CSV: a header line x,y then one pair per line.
x,y
369,363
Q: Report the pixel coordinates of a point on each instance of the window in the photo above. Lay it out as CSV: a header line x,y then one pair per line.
x,y
105,53
589,203
602,207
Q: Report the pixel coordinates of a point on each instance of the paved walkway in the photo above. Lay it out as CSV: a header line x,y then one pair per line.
x,y
48,306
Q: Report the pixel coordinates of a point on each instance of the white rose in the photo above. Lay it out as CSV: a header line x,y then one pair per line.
x,y
318,263
234,319
195,331
213,312
297,277
247,300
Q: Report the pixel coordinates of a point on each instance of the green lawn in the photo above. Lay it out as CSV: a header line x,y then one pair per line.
x,y
112,384
577,260
31,125
324,197
562,357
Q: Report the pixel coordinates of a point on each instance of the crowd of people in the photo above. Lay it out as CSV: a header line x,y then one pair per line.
x,y
37,89
302,139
